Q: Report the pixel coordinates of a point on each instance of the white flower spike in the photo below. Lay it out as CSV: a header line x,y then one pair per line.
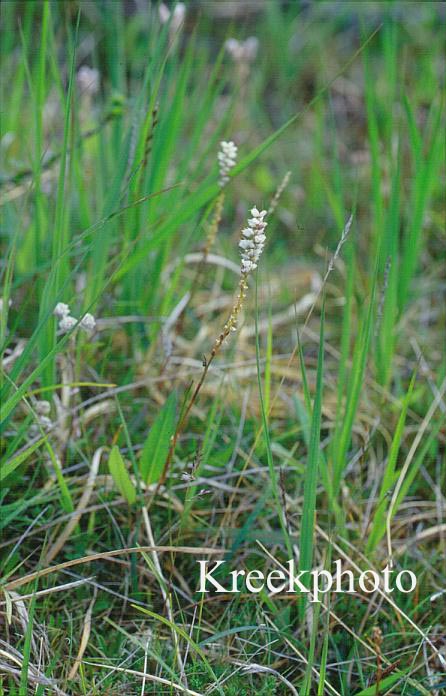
x,y
253,240
226,160
251,246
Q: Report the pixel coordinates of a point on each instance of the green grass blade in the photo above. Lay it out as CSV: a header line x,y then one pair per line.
x,y
156,447
9,466
379,521
312,471
120,476
59,267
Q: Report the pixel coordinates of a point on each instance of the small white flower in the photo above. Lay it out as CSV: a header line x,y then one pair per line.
x,y
250,48
67,323
45,422
243,51
179,13
42,408
88,80
233,48
164,13
88,322
253,241
61,310
226,160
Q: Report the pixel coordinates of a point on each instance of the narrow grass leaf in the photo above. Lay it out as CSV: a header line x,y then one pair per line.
x,y
379,525
383,684
10,466
309,503
156,446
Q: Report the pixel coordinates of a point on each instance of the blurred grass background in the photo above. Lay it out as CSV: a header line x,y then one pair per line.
x,y
111,123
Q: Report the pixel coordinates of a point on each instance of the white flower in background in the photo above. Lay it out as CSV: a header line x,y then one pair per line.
x,y
67,323
42,408
61,310
178,15
88,80
164,13
226,160
88,322
243,51
253,240
45,423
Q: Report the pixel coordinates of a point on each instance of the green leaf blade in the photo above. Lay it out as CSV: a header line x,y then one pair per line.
x,y
156,446
120,476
